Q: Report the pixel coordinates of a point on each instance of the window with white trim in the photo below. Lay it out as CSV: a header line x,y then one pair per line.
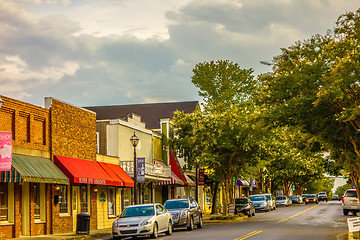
x,y
111,201
84,206
64,199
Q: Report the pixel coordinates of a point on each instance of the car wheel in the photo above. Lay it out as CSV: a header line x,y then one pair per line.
x,y
346,212
191,224
170,228
116,238
155,231
253,213
200,224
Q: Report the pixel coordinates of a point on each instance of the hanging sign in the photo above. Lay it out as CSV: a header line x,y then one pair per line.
x,y
201,178
5,151
140,174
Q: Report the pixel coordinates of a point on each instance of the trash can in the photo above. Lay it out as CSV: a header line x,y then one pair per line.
x,y
83,223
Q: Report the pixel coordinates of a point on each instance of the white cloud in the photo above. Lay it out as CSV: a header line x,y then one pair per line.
x,y
99,52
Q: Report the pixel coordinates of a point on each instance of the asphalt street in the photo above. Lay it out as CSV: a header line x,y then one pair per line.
x,y
323,221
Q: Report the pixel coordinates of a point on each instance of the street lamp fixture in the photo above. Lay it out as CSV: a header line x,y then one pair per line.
x,y
1,102
134,141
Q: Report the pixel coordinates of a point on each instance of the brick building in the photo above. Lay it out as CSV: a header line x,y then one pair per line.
x,y
54,174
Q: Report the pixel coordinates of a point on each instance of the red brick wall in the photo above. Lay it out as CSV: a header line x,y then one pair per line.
x,y
73,134
29,124
73,131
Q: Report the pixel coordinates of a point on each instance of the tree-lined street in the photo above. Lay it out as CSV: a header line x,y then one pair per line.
x,y
322,221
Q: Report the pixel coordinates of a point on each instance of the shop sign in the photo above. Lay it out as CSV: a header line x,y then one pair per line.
x,y
5,151
354,224
231,209
201,178
140,174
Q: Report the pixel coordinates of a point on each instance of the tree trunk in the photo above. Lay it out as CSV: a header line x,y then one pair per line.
x,y
214,191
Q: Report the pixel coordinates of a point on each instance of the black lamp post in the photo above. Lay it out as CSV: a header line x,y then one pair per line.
x,y
1,102
134,141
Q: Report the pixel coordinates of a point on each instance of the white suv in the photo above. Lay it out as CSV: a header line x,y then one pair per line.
x,y
350,202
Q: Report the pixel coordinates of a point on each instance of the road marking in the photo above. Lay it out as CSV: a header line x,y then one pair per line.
x,y
298,214
248,235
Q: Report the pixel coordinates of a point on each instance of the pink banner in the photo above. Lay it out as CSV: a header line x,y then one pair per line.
x,y
5,151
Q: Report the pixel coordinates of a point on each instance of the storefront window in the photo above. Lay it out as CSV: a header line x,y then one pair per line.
x,y
63,199
36,200
84,199
4,201
111,201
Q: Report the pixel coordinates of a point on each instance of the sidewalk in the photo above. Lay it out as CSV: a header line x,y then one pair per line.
x,y
107,231
68,236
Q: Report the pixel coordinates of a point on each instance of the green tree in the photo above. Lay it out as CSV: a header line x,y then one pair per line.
x,y
223,138
315,85
293,159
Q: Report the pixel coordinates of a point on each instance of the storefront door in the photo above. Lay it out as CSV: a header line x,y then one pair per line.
x,y
75,204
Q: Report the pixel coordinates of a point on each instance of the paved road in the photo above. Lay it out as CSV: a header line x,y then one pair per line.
x,y
324,221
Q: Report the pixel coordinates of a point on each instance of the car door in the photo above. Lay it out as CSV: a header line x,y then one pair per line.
x,y
162,218
194,208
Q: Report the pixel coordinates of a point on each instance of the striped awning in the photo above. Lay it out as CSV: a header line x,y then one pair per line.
x,y
175,180
33,169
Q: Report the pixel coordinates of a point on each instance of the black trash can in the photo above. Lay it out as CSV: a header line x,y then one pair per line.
x,y
83,223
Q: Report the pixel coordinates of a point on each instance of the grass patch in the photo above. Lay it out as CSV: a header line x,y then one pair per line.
x,y
222,217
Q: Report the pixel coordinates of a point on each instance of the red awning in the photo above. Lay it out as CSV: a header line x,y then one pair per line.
x,y
85,171
175,168
113,169
174,180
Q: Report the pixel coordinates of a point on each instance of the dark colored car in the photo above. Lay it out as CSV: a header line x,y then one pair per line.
x,y
304,197
311,198
244,206
335,197
185,213
296,199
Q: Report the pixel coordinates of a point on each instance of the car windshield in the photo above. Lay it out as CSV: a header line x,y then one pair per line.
x,y
176,204
257,198
322,193
241,201
293,197
311,195
268,197
280,198
137,211
304,195
350,194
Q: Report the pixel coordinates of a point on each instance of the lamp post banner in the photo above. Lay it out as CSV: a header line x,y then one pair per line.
x,y
5,151
140,170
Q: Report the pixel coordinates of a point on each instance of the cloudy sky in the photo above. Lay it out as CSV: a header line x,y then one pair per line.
x,y
109,52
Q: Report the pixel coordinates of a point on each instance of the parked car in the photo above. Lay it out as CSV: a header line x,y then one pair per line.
x,y
260,202
296,199
350,202
311,198
282,201
185,213
304,197
144,219
271,201
244,206
335,197
322,196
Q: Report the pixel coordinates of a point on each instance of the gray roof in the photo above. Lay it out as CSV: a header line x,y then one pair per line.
x,y
150,113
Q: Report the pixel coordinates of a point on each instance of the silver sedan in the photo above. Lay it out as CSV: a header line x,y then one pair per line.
x,y
140,220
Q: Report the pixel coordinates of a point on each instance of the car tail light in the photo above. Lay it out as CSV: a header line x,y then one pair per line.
x,y
343,199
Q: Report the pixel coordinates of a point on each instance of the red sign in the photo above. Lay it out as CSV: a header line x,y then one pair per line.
x,y
201,178
5,151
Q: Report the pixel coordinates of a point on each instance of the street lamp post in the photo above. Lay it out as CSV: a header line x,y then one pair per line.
x,y
1,102
134,141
